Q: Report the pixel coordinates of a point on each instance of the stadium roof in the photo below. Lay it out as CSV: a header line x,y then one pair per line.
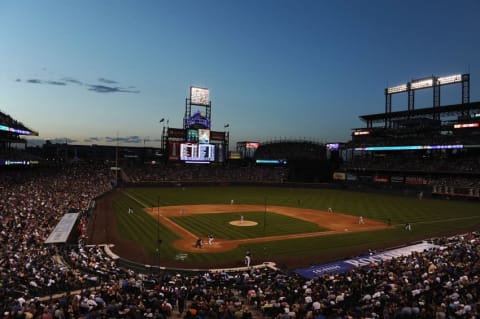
x,y
8,124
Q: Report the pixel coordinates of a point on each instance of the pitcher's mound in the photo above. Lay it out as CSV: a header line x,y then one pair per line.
x,y
243,223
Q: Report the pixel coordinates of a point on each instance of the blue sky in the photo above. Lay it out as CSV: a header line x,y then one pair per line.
x,y
87,71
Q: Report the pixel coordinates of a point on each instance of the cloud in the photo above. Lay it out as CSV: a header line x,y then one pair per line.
x,y
38,81
103,80
104,86
34,81
55,83
127,139
72,80
62,140
92,139
109,89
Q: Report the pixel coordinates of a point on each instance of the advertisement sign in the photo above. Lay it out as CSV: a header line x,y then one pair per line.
x,y
217,136
416,180
348,264
396,179
199,96
380,179
174,151
339,176
351,177
176,133
203,136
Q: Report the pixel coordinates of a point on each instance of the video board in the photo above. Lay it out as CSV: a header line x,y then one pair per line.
x,y
203,136
192,135
199,96
195,152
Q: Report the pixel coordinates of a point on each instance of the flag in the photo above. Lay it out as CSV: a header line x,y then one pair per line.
x,y
226,125
161,120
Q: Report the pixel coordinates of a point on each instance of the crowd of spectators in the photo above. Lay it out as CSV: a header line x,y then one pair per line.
x,y
292,150
413,136
205,173
32,201
438,283
447,176
414,161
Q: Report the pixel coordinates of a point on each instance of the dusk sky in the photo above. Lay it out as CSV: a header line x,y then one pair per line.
x,y
88,71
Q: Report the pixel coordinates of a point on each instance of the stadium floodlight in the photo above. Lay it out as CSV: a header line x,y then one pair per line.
x,y
397,89
421,84
450,79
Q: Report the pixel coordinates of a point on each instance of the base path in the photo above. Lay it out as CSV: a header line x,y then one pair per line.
x,y
334,222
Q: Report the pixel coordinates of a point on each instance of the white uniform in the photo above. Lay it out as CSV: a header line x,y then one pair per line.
x,y
248,259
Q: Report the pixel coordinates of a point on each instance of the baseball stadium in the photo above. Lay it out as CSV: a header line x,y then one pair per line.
x,y
195,229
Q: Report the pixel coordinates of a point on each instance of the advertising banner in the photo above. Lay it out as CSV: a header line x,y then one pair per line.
x,y
174,151
348,264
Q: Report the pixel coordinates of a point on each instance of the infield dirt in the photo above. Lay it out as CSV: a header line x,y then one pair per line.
x,y
105,231
334,222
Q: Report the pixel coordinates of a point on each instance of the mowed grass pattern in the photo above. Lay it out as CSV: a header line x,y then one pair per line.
x,y
268,224
429,217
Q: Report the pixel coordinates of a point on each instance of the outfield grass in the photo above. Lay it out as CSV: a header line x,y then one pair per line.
x,y
268,224
429,217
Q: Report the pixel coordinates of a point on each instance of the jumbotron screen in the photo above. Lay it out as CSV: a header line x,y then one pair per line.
x,y
194,152
199,96
203,136
192,135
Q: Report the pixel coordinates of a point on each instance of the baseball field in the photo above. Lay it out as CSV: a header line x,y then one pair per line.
x,y
290,226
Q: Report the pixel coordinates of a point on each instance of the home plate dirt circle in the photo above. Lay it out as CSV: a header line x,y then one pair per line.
x,y
243,223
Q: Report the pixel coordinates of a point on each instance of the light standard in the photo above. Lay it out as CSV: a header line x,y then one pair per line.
x,y
163,133
227,139
164,137
158,232
265,227
265,217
